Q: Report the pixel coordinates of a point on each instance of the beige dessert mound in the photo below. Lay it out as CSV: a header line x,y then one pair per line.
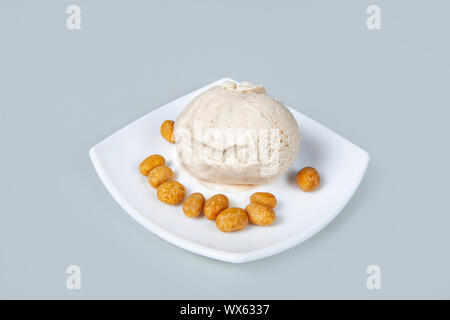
x,y
236,135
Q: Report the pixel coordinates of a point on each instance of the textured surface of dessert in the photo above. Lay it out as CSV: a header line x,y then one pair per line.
x,y
236,135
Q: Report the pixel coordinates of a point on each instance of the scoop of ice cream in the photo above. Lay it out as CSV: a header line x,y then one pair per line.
x,y
236,135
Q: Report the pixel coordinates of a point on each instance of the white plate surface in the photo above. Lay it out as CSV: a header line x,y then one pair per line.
x,y
299,215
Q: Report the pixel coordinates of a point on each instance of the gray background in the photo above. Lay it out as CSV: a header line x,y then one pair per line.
x,y
63,91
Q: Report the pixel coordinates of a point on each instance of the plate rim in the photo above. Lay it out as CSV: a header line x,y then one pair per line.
x,y
214,253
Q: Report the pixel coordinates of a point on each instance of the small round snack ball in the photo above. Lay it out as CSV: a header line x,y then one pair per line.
x,y
193,205
308,179
264,198
171,192
232,219
159,175
215,205
151,162
259,214
167,131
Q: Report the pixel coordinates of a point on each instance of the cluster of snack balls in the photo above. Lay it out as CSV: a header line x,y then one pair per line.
x,y
260,211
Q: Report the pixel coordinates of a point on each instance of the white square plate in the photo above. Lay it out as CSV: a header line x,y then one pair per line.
x,y
300,215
